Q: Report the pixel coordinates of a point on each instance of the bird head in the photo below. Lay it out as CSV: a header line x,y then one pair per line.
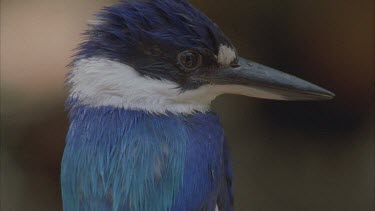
x,y
166,56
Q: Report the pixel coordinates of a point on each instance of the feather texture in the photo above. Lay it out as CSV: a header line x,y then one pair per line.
x,y
117,159
149,34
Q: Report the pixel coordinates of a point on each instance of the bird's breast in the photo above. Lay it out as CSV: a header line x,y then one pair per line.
x,y
132,160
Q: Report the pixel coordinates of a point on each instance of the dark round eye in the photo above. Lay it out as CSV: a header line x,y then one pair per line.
x,y
190,60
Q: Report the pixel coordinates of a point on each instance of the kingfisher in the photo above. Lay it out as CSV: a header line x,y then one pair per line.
x,y
142,136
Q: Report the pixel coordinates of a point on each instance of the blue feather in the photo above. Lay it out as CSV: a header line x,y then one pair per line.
x,y
117,159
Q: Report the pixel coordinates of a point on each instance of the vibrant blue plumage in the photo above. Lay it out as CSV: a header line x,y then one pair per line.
x,y
142,25
135,160
140,138
117,159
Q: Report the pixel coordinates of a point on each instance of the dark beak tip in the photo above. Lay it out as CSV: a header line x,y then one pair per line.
x,y
329,96
322,94
326,97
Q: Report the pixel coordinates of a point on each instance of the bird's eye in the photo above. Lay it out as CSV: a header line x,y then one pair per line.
x,y
190,60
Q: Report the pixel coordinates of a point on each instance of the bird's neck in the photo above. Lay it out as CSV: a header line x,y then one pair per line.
x,y
112,121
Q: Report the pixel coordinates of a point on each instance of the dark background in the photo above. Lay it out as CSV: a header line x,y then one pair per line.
x,y
287,155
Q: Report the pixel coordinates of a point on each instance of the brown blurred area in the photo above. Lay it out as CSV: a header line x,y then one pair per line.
x,y
287,155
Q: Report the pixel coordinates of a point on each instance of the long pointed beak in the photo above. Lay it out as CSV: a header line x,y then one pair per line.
x,y
257,80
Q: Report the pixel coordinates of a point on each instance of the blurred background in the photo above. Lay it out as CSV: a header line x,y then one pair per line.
x,y
287,155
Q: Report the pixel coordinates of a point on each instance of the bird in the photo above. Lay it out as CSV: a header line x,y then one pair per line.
x,y
142,134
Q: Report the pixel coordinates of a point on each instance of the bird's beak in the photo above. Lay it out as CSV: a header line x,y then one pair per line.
x,y
255,80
